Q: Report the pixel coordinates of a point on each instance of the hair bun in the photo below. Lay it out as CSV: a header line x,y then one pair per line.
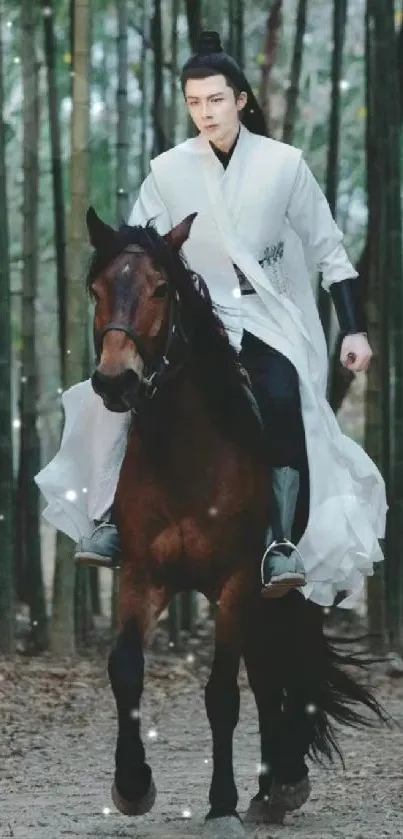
x,y
209,42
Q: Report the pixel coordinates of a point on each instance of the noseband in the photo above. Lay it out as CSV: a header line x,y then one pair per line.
x,y
158,371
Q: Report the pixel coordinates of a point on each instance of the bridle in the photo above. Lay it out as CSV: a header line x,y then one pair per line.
x,y
154,372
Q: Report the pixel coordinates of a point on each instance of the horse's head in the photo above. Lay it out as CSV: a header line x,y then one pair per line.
x,y
135,305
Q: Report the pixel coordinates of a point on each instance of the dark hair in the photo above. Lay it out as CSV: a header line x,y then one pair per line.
x,y
204,73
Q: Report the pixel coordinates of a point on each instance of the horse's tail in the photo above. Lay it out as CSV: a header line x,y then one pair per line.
x,y
319,682
339,696
328,678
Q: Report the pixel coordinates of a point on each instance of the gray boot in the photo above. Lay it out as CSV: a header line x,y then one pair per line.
x,y
102,548
282,567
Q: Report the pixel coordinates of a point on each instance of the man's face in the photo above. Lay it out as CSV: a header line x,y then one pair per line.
x,y
213,108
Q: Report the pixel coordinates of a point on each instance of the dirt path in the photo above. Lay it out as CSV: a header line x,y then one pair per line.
x,y
56,759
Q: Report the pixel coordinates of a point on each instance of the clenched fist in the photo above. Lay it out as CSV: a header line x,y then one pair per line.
x,y
356,353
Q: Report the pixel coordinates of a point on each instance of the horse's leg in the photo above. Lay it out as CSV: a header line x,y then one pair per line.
x,y
133,791
222,705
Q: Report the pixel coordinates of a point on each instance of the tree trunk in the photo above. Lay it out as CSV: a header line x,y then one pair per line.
x,y
143,80
7,585
340,378
175,9
159,104
238,46
57,173
392,253
194,20
29,457
122,151
76,303
374,408
332,172
295,75
273,29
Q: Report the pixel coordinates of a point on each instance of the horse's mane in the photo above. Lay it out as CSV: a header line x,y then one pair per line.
x,y
214,361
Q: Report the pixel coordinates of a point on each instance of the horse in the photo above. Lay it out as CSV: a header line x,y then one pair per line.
x,y
192,506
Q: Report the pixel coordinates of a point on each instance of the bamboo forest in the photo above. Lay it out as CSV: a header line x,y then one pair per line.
x,y
92,92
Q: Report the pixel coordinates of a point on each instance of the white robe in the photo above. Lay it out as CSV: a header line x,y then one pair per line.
x,y
266,207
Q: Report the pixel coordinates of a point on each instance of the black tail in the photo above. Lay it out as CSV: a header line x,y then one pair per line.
x,y
339,697
319,682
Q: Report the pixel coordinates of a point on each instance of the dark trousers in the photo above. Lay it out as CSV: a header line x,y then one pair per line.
x,y
275,386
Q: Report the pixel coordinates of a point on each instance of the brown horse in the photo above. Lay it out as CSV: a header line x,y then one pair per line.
x,y
192,506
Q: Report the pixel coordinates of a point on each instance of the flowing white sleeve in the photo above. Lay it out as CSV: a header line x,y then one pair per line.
x,y
310,217
150,206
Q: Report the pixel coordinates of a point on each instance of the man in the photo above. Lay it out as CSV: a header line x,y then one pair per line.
x,y
261,219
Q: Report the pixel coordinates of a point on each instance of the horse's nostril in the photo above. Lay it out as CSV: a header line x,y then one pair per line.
x,y
115,388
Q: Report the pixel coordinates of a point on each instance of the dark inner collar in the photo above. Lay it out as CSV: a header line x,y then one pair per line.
x,y
225,156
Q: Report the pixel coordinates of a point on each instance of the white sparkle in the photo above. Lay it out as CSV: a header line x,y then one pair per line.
x,y
135,714
206,760
106,811
84,489
311,708
17,423
212,511
262,768
152,734
187,813
190,658
2,516
70,495
326,610
34,623
344,85
17,60
9,24
47,11
236,292
59,390
171,644
265,798
23,380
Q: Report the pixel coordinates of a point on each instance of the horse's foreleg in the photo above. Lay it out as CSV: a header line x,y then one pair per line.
x,y
133,791
222,706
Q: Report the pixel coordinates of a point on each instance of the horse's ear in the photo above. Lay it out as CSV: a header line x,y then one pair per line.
x,y
179,234
99,232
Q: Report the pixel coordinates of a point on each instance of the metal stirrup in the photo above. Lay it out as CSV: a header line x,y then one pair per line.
x,y
283,543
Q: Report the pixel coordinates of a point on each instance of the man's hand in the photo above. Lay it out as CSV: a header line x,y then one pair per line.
x,y
355,353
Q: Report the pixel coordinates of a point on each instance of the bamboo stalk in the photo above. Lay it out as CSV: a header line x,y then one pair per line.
x,y
122,145
295,74
7,582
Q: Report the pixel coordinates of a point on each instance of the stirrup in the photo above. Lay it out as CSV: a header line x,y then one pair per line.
x,y
285,543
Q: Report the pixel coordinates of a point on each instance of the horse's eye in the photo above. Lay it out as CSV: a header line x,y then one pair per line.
x,y
160,291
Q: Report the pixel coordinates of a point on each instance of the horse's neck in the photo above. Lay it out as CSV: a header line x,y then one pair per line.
x,y
179,428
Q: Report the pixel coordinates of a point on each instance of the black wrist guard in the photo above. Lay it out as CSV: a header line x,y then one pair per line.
x,y
347,298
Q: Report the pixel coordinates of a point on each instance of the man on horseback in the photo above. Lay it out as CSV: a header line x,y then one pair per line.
x,y
261,218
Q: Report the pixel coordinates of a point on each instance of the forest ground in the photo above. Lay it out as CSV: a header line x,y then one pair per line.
x,y
58,727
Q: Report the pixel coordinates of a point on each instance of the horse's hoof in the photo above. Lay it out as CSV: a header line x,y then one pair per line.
x,y
225,827
290,796
264,811
135,808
